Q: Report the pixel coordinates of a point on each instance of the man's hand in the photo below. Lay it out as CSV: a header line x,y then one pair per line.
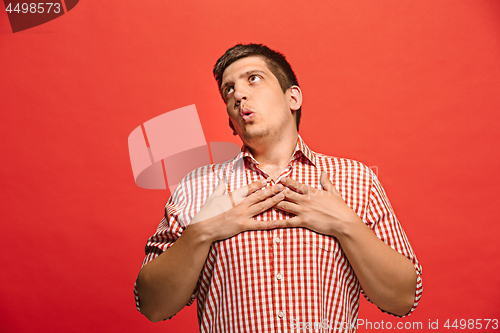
x,y
386,276
167,282
222,217
323,211
219,202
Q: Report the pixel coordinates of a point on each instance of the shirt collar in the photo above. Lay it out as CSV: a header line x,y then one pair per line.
x,y
301,149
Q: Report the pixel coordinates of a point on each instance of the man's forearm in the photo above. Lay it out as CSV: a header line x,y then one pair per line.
x,y
167,282
387,277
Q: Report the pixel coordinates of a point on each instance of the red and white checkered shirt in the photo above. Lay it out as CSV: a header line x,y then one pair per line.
x,y
281,280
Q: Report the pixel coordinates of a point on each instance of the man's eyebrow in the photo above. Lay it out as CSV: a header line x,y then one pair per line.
x,y
253,71
247,73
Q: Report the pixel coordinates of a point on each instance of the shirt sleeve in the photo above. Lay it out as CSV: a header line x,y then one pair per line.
x,y
380,217
169,230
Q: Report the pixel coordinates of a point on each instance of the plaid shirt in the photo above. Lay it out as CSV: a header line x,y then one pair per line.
x,y
281,280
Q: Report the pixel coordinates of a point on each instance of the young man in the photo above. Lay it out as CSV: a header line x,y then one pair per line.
x,y
297,236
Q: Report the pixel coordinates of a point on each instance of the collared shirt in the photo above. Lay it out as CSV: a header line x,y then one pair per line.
x,y
281,280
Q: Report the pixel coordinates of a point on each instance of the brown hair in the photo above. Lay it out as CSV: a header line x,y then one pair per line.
x,y
275,61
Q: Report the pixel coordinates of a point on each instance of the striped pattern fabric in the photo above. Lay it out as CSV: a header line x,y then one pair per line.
x,y
281,280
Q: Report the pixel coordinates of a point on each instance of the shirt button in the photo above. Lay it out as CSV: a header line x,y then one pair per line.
x,y
277,240
281,314
279,276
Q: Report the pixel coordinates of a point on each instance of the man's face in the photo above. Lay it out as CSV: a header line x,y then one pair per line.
x,y
255,102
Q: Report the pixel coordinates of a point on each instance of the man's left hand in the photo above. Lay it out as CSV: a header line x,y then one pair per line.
x,y
387,277
323,211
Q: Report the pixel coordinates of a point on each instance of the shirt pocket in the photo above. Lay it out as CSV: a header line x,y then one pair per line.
x,y
327,244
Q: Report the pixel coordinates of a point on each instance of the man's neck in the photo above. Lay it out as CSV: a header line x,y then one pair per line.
x,y
273,154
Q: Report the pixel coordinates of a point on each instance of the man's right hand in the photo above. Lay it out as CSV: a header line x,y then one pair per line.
x,y
167,282
222,217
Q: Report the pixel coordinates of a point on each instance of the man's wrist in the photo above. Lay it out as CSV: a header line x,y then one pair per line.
x,y
201,233
349,228
208,231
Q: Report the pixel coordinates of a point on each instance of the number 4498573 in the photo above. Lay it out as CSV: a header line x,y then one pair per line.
x,y
33,8
472,324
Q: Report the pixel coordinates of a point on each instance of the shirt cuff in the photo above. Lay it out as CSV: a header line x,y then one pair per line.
x,y
418,295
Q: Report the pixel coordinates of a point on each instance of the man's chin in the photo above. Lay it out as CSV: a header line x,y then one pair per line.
x,y
249,136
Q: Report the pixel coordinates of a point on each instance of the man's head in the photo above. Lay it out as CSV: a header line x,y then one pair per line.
x,y
274,60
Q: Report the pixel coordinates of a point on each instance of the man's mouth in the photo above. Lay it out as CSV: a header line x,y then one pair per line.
x,y
246,114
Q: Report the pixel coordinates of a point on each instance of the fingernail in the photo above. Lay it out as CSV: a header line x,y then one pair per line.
x,y
279,187
283,180
269,179
264,181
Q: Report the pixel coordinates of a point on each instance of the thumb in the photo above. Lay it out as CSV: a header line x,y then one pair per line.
x,y
326,183
220,189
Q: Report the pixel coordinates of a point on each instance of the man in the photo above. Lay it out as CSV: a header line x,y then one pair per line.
x,y
297,236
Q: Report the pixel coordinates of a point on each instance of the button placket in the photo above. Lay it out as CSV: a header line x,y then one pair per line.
x,y
276,241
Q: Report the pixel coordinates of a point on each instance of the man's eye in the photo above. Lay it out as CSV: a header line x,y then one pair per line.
x,y
254,78
228,90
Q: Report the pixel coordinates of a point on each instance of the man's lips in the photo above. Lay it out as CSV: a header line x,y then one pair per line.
x,y
246,114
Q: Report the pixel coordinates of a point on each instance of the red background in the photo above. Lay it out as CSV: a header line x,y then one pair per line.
x,y
411,87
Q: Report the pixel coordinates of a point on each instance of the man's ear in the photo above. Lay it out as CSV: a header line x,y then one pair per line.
x,y
294,95
232,127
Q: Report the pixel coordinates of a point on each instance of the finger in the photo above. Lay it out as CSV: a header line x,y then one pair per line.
x,y
255,186
241,193
262,206
264,194
325,182
220,189
295,185
288,206
232,199
292,222
250,188
292,196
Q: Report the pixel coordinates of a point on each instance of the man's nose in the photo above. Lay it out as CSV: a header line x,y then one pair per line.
x,y
240,93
